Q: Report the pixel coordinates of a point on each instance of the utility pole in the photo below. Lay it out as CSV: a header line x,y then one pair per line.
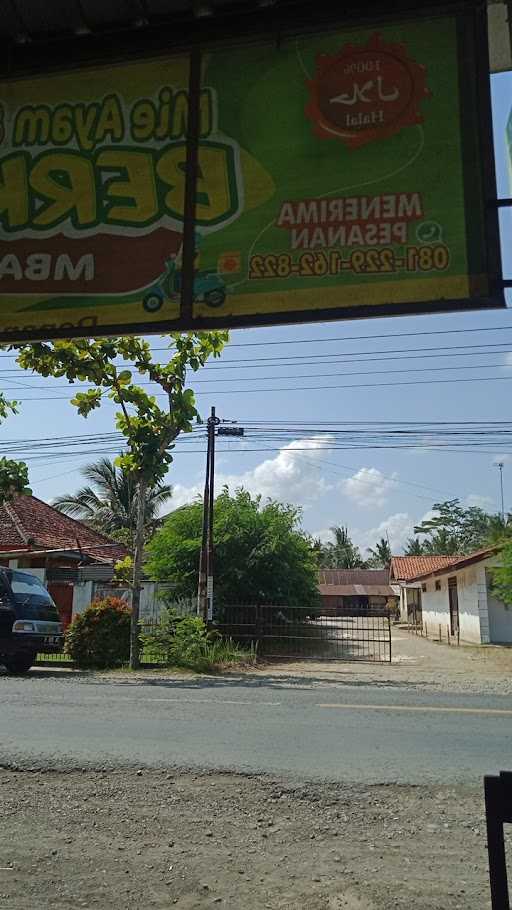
x,y
213,422
206,559
501,465
202,603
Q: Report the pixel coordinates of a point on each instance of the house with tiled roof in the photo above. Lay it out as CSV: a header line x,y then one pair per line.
x,y
60,550
403,572
455,598
360,589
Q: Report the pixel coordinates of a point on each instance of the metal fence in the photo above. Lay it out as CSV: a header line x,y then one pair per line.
x,y
281,631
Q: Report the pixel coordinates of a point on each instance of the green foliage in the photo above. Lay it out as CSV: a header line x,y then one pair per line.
x,y
342,554
13,479
99,638
123,570
413,547
150,430
454,529
380,555
109,502
502,575
13,474
261,553
184,641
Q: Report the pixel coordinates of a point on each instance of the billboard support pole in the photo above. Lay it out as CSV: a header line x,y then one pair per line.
x,y
189,206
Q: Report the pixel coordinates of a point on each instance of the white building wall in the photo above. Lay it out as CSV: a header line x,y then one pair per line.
x,y
436,609
151,596
500,617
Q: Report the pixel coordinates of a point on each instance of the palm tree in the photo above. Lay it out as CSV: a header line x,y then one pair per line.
x,y
342,554
380,555
109,502
414,547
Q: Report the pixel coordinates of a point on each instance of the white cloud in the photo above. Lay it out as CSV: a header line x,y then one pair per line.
x,y
293,475
324,534
398,527
368,487
504,459
480,502
182,495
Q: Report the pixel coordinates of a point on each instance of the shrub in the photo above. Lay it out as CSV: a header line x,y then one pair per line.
x,y
184,641
99,637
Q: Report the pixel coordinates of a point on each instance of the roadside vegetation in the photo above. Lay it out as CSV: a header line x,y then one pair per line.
x,y
99,639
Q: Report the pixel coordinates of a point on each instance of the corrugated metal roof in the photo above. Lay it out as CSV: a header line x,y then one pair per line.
x,y
353,577
356,591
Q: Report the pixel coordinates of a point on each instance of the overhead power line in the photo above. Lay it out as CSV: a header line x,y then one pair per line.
x,y
319,388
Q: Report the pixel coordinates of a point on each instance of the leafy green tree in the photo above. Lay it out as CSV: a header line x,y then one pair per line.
x,y
150,429
380,555
109,502
502,575
454,529
342,554
414,547
261,553
13,474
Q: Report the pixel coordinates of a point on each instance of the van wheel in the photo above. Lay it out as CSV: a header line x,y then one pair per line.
x,y
17,664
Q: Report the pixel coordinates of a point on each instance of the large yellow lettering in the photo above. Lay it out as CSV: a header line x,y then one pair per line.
x,y
66,180
14,211
171,170
136,187
214,192
110,121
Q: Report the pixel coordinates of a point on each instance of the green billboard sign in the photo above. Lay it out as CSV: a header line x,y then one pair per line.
x,y
337,175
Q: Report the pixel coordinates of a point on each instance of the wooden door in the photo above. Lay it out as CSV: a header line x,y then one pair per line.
x,y
453,599
62,593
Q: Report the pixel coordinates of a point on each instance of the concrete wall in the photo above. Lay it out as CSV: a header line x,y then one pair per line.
x,y
436,610
500,617
151,601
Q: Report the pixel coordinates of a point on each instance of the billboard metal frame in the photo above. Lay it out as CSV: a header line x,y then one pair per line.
x,y
472,44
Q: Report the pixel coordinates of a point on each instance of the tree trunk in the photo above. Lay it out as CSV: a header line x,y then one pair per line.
x,y
137,574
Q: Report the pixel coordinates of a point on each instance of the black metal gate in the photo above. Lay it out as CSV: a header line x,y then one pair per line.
x,y
280,631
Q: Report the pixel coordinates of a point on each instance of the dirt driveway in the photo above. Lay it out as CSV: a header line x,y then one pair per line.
x,y
123,840
420,663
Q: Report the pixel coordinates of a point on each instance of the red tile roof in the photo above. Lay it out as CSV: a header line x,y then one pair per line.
x,y
28,523
405,568
460,562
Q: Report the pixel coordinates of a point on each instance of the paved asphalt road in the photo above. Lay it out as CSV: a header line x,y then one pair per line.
x,y
297,726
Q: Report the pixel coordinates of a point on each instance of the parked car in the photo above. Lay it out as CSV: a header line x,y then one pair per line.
x,y
29,620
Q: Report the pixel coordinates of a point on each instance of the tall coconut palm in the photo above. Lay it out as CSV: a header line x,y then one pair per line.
x,y
109,502
380,555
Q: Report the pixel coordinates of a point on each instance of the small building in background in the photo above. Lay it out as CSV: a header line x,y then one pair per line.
x,y
403,573
37,538
343,590
458,597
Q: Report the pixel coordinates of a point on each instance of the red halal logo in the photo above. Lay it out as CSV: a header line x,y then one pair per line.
x,y
366,93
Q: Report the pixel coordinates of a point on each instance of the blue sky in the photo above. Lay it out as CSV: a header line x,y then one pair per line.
x,y
373,492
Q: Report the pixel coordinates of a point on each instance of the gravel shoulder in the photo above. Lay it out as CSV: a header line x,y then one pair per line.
x,y
125,839
418,663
